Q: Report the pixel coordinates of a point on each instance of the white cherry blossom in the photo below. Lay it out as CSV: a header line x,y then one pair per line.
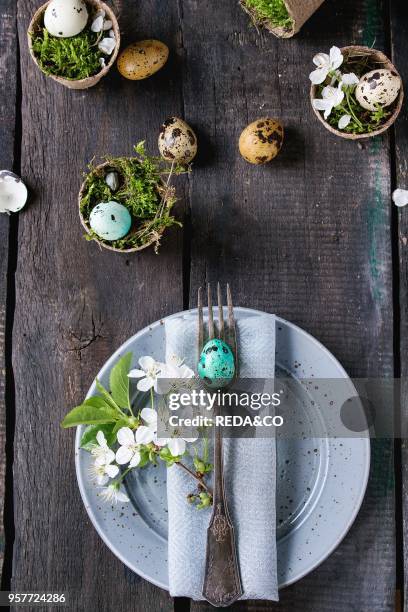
x,y
128,451
113,494
325,65
331,97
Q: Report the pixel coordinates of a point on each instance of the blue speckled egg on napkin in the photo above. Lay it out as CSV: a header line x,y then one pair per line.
x,y
216,366
110,220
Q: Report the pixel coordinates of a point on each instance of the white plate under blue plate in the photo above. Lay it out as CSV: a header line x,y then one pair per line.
x,y
320,481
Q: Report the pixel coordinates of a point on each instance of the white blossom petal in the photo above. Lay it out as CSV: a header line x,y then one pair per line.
x,y
100,438
137,374
145,384
344,121
144,435
318,76
321,59
102,479
135,459
125,436
112,33
112,470
400,197
350,79
107,25
149,415
177,446
336,58
123,455
147,363
121,497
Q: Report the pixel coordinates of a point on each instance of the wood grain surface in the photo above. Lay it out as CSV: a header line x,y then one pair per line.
x,y
399,29
308,237
8,111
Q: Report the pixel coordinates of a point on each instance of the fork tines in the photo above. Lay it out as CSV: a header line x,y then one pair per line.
x,y
212,332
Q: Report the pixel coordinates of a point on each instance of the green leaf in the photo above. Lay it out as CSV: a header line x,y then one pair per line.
x,y
88,439
88,414
120,382
107,396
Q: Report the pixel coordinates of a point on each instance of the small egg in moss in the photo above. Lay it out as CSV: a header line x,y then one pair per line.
x,y
65,18
110,220
216,366
261,140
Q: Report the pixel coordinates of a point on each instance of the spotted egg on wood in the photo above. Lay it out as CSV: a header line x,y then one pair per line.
x,y
177,141
378,88
261,140
142,59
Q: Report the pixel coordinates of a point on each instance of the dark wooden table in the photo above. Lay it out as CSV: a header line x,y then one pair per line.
x,y
312,237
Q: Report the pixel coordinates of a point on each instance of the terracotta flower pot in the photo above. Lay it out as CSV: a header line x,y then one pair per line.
x,y
382,61
299,10
38,21
162,191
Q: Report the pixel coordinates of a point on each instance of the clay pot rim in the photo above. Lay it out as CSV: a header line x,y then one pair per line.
x,y
390,66
86,227
88,81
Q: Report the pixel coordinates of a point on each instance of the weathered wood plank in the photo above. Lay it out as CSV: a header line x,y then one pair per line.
x,y
8,79
399,31
306,237
76,304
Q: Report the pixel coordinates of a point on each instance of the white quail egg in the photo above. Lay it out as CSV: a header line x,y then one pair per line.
x,y
378,88
65,18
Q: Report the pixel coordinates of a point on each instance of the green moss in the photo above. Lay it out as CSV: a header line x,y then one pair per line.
x,y
143,192
75,58
274,11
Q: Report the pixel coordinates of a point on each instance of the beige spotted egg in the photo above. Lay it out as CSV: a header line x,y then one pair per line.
x,y
177,141
378,88
142,59
261,140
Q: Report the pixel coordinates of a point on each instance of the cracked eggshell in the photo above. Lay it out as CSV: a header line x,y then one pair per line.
x,y
177,141
378,87
13,192
142,59
65,18
261,140
110,220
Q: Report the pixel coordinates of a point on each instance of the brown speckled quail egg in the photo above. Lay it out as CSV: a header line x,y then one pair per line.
x,y
378,88
261,140
142,59
65,18
177,141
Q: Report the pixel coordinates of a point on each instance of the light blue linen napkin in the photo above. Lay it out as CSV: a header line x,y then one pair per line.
x,y
250,478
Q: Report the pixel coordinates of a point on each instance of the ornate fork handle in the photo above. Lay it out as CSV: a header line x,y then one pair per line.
x,y
222,581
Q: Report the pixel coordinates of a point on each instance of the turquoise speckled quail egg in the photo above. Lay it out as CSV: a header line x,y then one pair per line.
x,y
110,220
65,18
177,141
378,88
216,366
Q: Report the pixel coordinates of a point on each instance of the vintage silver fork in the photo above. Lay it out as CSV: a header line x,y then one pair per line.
x,y
222,582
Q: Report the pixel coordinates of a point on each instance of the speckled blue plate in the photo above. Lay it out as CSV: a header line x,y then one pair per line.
x,y
320,482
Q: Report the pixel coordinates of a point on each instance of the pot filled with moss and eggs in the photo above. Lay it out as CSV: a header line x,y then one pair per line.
x,y
283,18
356,91
125,203
74,42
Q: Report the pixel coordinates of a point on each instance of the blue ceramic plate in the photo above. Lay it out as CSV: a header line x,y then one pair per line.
x,y
320,482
